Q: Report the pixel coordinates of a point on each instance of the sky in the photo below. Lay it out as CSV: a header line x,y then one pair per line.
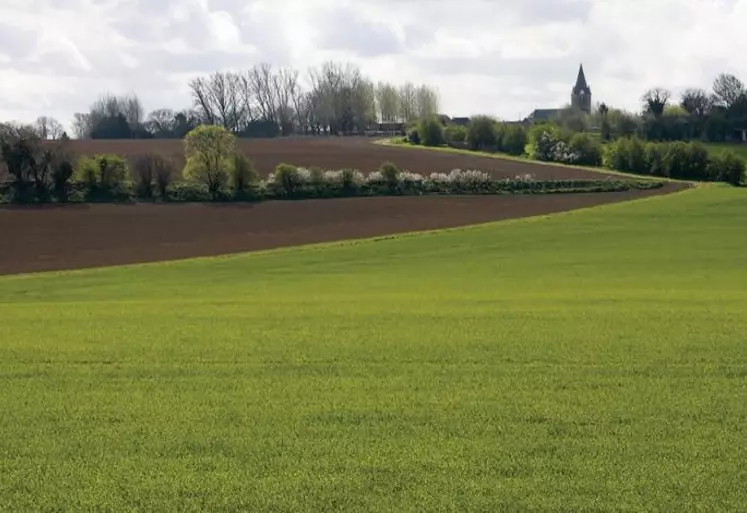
x,y
498,57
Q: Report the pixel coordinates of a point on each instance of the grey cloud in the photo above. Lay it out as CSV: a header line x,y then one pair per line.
x,y
16,43
346,30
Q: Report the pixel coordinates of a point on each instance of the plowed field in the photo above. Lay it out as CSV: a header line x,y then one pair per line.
x,y
68,237
339,152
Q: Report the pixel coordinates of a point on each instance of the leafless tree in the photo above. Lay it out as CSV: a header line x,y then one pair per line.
x,y
407,102
218,99
387,102
655,100
727,90
48,128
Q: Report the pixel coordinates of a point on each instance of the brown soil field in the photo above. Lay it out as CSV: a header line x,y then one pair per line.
x,y
340,152
45,238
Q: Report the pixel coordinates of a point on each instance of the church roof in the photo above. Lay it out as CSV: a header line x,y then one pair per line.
x,y
581,84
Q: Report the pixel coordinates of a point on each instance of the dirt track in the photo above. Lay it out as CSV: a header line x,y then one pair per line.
x,y
339,152
68,237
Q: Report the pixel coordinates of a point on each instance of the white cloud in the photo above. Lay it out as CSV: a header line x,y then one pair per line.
x,y
495,56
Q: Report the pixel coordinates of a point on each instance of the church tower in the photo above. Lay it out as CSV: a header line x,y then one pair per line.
x,y
581,94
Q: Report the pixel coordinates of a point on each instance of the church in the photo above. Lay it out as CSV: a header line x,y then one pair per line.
x,y
580,99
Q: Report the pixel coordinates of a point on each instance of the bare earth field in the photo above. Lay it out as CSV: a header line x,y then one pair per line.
x,y
340,152
77,236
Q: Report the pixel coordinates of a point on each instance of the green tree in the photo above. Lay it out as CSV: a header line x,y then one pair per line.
x,y
513,139
431,131
209,149
482,132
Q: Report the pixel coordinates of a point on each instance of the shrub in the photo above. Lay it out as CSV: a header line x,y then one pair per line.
x,y
543,141
390,174
209,150
481,133
144,174
455,134
413,137
102,175
727,167
27,166
696,161
286,179
164,172
585,150
513,140
654,159
351,179
152,173
242,174
674,159
62,173
431,132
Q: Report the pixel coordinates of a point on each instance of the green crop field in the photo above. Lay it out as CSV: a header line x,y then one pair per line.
x,y
591,361
739,149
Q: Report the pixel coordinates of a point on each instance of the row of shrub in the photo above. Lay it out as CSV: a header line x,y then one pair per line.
x,y
687,161
214,170
106,178
483,133
548,142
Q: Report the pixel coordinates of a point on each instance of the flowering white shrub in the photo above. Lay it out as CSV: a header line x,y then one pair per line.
x,y
411,178
375,177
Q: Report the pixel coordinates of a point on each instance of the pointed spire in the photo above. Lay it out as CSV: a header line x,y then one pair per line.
x,y
580,81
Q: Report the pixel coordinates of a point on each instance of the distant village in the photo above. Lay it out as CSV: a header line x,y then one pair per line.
x,y
580,99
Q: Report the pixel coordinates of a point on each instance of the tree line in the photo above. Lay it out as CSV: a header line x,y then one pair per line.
x,y
715,116
263,101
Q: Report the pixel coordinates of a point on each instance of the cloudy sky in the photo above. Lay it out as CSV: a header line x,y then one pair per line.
x,y
501,57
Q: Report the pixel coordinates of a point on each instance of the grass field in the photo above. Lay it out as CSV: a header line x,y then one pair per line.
x,y
739,149
590,361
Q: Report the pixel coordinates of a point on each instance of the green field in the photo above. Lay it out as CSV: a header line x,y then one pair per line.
x,y
739,149
590,361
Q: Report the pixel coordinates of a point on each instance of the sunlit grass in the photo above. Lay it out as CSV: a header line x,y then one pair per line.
x,y
588,361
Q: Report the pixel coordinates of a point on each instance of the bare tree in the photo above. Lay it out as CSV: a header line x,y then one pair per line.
x,y
387,102
285,83
218,99
407,102
696,102
727,90
426,101
132,109
655,100
160,122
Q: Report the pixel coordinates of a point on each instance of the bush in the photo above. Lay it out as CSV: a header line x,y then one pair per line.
x,y
62,173
153,173
242,174
455,134
286,179
104,176
431,132
164,172
413,137
544,142
209,150
513,140
727,167
654,159
481,133
585,150
390,174
627,155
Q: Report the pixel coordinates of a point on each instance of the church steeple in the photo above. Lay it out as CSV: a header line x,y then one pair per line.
x,y
580,81
581,94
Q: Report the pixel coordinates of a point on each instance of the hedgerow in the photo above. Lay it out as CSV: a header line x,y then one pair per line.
x,y
680,160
